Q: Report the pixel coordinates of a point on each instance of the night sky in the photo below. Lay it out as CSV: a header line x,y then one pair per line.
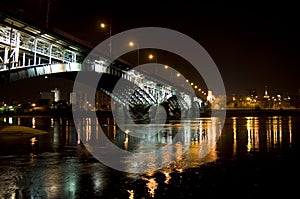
x,y
253,44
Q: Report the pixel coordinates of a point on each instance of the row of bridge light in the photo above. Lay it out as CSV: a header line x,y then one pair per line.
x,y
151,57
196,87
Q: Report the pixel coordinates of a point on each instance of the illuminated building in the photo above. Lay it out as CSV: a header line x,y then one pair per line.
x,y
266,95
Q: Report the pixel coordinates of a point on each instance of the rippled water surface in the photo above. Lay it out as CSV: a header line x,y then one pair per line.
x,y
248,158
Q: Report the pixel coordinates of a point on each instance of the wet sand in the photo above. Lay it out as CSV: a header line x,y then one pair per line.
x,y
8,132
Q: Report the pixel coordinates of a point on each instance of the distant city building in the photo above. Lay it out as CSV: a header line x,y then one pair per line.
x,y
253,93
266,95
79,100
47,96
73,98
56,94
253,101
209,96
103,101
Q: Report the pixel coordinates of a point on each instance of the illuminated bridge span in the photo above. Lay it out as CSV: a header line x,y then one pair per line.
x,y
27,52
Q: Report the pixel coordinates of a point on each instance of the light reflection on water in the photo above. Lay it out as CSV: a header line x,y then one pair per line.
x,y
173,138
269,137
57,164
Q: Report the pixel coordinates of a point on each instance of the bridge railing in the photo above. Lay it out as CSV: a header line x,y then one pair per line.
x,y
22,45
28,52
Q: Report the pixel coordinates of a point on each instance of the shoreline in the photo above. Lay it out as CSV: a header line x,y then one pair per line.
x,y
19,130
108,114
262,112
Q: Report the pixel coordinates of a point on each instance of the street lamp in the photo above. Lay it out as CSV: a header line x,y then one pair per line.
x,y
103,26
132,44
171,72
151,57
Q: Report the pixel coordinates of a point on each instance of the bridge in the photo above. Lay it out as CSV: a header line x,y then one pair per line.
x,y
28,52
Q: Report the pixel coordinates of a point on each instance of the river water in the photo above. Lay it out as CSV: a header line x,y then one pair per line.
x,y
250,157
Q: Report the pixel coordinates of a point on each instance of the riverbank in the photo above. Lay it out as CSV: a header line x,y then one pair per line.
x,y
66,113
4,129
18,130
262,112
104,115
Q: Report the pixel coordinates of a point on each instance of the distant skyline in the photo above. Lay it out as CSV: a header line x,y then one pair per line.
x,y
23,91
253,45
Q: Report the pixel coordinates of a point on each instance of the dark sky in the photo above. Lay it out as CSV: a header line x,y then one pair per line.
x,y
253,44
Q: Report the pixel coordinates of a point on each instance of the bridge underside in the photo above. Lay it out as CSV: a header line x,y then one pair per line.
x,y
28,52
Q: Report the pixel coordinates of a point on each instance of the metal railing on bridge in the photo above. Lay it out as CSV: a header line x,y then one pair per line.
x,y
27,51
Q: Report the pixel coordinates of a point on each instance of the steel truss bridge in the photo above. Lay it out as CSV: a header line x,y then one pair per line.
x,y
28,52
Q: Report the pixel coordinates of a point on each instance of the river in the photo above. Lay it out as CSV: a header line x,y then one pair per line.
x,y
249,157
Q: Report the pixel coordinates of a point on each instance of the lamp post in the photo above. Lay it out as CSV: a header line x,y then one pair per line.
x,y
103,25
132,44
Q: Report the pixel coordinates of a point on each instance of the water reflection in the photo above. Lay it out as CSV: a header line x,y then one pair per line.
x,y
263,134
131,194
33,141
152,186
10,121
290,129
33,122
154,145
57,165
252,133
168,177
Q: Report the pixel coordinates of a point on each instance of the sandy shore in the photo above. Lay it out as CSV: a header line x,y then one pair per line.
x,y
20,130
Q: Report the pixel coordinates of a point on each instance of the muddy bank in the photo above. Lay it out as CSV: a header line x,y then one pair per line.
x,y
19,130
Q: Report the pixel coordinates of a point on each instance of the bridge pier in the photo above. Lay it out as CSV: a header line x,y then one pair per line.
x,y
194,111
